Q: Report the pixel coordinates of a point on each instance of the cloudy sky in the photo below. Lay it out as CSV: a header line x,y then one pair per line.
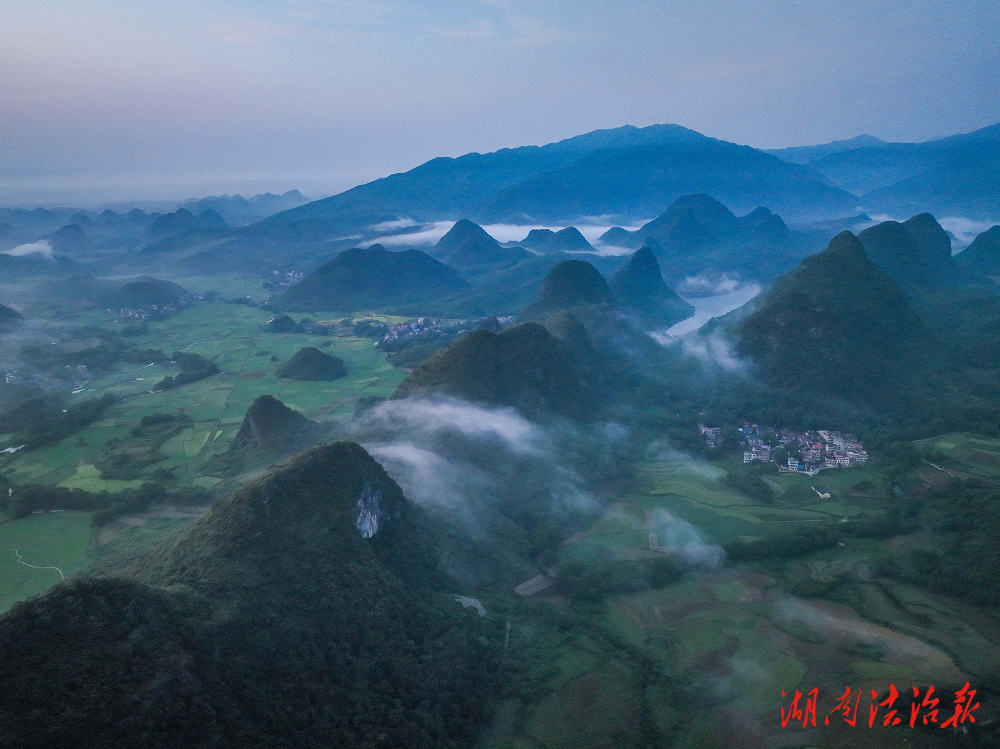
x,y
111,99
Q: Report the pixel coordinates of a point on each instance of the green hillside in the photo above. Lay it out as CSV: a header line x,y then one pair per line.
x,y
641,291
570,284
525,367
311,364
372,278
837,324
293,613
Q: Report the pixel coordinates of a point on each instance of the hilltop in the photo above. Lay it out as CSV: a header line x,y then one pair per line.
x,y
838,325
565,240
291,613
568,285
269,432
642,293
237,210
183,220
372,278
470,249
311,364
915,253
983,255
698,234
524,366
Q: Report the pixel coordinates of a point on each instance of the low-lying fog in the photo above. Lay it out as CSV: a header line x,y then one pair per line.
x,y
429,234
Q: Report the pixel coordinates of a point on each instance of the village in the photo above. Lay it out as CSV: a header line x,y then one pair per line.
x,y
423,326
807,452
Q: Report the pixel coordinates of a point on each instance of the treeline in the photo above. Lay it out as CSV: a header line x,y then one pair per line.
x,y
591,583
792,545
102,357
963,517
21,501
41,421
193,368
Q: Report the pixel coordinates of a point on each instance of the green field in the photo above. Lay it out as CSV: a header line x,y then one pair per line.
x,y
233,338
56,539
740,633
963,454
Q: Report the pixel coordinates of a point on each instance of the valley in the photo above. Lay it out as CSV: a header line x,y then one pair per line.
x,y
501,487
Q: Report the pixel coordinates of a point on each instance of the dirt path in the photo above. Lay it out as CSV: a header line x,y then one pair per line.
x,y
20,560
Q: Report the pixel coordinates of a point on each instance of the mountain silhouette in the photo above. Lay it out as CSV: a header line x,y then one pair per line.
x,y
641,292
470,249
982,256
372,278
565,240
311,364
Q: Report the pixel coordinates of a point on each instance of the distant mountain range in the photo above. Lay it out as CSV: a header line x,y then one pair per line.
x,y
807,154
623,175
240,211
627,171
958,175
697,234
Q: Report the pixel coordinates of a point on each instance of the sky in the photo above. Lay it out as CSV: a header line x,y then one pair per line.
x,y
168,99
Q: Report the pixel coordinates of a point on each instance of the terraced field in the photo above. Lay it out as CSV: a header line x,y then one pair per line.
x,y
737,636
964,455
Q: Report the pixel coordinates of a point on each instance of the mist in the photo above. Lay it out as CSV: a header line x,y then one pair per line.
x,y
42,247
452,455
677,536
964,230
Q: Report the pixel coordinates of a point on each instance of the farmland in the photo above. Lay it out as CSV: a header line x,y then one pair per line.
x,y
737,635
210,410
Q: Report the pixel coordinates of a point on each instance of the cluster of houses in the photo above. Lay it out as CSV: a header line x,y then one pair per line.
x,y
140,314
817,450
424,325
285,279
411,328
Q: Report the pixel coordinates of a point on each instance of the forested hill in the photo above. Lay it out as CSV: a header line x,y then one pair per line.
x,y
304,610
836,325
